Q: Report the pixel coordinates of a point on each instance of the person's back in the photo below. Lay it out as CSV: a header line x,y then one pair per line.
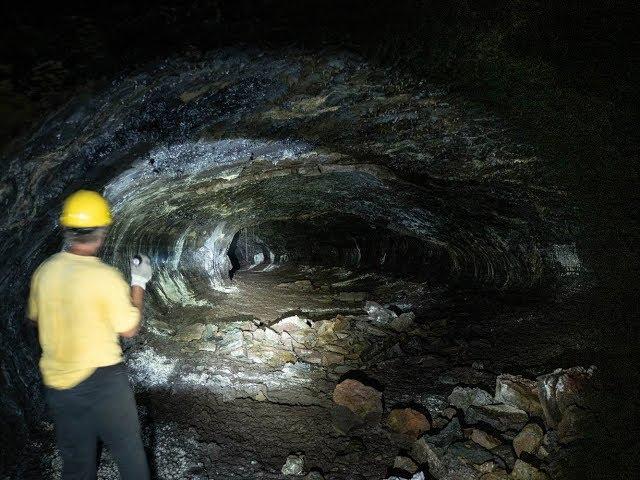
x,y
81,306
80,303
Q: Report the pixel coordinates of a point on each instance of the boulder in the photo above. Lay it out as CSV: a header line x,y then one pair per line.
x,y
484,439
408,421
294,465
501,417
403,322
518,392
524,471
463,397
528,440
361,399
565,398
378,314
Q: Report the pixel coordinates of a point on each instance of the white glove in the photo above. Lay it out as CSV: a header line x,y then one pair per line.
x,y
141,271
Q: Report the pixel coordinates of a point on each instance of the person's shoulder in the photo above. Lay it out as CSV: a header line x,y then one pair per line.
x,y
49,263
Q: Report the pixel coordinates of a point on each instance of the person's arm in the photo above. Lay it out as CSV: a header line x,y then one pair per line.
x,y
137,299
140,274
125,304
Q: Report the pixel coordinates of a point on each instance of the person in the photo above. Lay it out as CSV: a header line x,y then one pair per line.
x,y
81,306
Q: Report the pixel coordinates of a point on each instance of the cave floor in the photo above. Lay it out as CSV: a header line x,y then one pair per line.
x,y
217,400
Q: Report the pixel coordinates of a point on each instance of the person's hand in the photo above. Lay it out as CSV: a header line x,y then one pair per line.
x,y
141,271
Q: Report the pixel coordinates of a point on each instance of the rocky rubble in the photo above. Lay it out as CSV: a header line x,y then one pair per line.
x,y
514,432
486,437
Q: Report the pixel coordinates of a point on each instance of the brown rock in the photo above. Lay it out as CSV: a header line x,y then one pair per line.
x,y
528,440
484,439
408,421
524,471
359,398
518,392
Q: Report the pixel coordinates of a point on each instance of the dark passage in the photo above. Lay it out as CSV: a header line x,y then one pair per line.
x,y
389,240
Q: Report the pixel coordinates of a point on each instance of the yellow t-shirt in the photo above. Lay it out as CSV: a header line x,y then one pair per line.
x,y
80,304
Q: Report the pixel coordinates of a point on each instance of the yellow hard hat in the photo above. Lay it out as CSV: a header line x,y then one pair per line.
x,y
85,209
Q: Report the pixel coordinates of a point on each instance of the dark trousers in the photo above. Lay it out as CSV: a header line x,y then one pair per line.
x,y
101,407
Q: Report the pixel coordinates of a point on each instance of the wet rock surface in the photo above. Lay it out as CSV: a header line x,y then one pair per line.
x,y
378,224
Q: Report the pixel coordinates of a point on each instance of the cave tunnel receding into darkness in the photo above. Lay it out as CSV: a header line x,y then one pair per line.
x,y
356,273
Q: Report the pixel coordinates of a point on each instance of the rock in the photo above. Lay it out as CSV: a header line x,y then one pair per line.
x,y
210,331
549,444
472,454
417,476
314,475
308,356
408,421
449,413
463,397
447,435
431,447
562,388
518,392
191,332
331,358
294,465
498,474
361,399
573,424
232,343
565,397
378,314
260,396
207,347
290,325
344,420
524,471
406,464
484,439
425,453
528,440
268,336
403,322
501,417
442,465
506,454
